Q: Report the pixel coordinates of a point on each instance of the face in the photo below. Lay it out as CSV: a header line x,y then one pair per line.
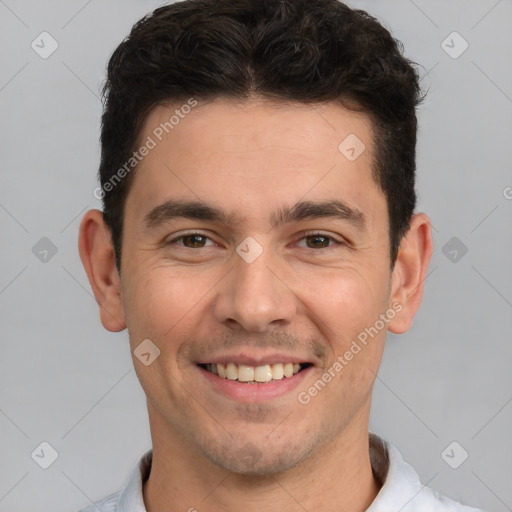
x,y
254,247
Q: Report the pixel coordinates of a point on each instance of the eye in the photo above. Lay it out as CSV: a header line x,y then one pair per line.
x,y
191,241
319,241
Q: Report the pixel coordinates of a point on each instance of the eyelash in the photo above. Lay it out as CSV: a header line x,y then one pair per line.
x,y
303,236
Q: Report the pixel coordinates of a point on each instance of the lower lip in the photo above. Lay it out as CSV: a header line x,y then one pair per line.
x,y
244,392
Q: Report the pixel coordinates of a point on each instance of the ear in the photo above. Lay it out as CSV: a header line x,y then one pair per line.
x,y
410,271
98,258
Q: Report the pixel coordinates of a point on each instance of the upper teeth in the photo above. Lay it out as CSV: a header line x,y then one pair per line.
x,y
244,373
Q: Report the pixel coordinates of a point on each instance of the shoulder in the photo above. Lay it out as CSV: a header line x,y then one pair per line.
x,y
108,504
402,489
424,498
131,496
429,498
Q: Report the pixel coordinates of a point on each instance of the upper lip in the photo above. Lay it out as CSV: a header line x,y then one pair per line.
x,y
253,359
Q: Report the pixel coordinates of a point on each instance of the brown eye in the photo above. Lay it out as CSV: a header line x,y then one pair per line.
x,y
191,241
194,241
318,241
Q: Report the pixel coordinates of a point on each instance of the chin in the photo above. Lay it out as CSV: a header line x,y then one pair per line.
x,y
259,458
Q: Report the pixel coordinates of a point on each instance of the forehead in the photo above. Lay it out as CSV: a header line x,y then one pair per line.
x,y
271,153
238,125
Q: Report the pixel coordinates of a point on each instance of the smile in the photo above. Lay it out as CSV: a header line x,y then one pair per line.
x,y
254,374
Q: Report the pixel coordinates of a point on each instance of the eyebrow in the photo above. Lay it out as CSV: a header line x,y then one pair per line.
x,y
302,210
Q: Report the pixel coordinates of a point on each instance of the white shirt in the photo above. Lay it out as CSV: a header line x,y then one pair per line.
x,y
401,491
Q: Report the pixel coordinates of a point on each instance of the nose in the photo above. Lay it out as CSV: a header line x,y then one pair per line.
x,y
255,296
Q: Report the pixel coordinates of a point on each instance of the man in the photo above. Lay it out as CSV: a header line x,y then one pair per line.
x,y
258,240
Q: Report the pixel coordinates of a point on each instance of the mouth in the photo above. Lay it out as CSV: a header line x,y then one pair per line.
x,y
248,374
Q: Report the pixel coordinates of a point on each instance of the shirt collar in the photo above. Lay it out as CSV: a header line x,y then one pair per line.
x,y
131,498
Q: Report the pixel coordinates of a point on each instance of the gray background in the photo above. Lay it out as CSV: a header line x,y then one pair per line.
x,y
67,381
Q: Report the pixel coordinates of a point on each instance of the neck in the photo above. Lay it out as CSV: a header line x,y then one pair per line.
x,y
337,477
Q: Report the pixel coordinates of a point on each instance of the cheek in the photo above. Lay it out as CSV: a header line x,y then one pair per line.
x,y
347,310
345,302
168,305
155,302
159,307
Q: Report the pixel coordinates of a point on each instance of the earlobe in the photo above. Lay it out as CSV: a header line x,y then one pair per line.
x,y
98,258
410,271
